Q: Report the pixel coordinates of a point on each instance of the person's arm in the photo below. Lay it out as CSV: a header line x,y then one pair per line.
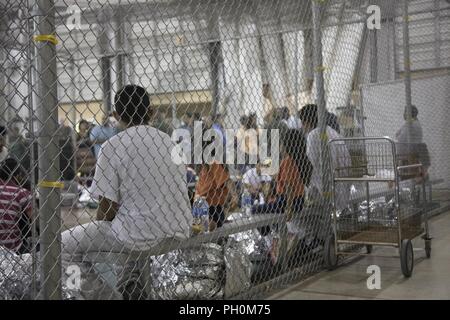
x,y
107,209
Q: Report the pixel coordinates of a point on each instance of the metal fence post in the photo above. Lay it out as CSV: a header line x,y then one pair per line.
x,y
49,194
3,107
407,67
320,93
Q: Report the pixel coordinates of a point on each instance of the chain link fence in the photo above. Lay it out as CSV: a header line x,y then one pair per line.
x,y
179,149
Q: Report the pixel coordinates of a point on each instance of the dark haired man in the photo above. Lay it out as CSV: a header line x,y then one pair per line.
x,y
340,156
143,198
415,129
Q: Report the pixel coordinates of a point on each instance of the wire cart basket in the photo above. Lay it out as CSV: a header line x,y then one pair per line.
x,y
390,209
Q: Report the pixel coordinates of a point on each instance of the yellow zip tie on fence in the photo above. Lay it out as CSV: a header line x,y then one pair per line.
x,y
321,69
327,195
46,38
324,136
51,184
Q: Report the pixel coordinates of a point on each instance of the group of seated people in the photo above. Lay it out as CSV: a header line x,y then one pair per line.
x,y
143,195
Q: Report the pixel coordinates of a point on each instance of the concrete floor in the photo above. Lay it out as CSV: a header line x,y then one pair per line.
x,y
430,279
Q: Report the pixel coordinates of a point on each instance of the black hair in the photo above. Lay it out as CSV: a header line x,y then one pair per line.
x,y
132,103
414,111
284,113
294,143
197,116
2,131
83,121
309,114
243,120
9,169
332,122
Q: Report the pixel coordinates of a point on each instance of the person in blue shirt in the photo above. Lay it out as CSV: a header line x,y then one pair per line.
x,y
101,133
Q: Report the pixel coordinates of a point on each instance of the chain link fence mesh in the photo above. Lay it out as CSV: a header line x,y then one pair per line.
x,y
179,149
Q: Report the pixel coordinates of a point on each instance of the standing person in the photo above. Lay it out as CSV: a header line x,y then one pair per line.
x,y
247,142
101,133
340,156
215,185
410,146
414,127
3,149
143,197
15,207
268,105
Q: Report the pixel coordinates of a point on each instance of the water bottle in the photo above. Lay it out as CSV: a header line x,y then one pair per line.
x,y
200,213
247,202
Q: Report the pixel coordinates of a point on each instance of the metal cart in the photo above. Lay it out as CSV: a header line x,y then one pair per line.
x,y
371,164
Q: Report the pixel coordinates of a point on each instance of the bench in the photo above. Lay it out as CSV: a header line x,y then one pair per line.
x,y
142,258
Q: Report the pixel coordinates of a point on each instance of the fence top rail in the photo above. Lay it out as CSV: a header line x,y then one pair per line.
x,y
228,229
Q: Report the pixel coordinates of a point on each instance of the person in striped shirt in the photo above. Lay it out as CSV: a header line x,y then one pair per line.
x,y
15,205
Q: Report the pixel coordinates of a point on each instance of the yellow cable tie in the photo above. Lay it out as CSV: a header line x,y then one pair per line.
x,y
324,136
51,184
46,38
321,69
327,195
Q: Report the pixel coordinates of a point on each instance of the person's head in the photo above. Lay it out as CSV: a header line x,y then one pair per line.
x,y
217,118
132,104
252,121
243,120
197,117
414,113
2,137
284,113
308,116
332,122
294,145
10,170
188,118
83,126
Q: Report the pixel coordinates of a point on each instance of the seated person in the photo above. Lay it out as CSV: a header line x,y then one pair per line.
x,y
294,174
253,180
215,185
15,208
143,198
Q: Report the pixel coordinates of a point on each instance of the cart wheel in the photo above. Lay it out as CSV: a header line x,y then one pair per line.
x,y
369,249
330,257
407,258
428,248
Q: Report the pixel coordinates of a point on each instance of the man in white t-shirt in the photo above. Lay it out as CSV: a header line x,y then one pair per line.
x,y
143,198
340,156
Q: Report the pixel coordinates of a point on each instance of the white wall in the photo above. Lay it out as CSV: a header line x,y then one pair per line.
x,y
384,104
